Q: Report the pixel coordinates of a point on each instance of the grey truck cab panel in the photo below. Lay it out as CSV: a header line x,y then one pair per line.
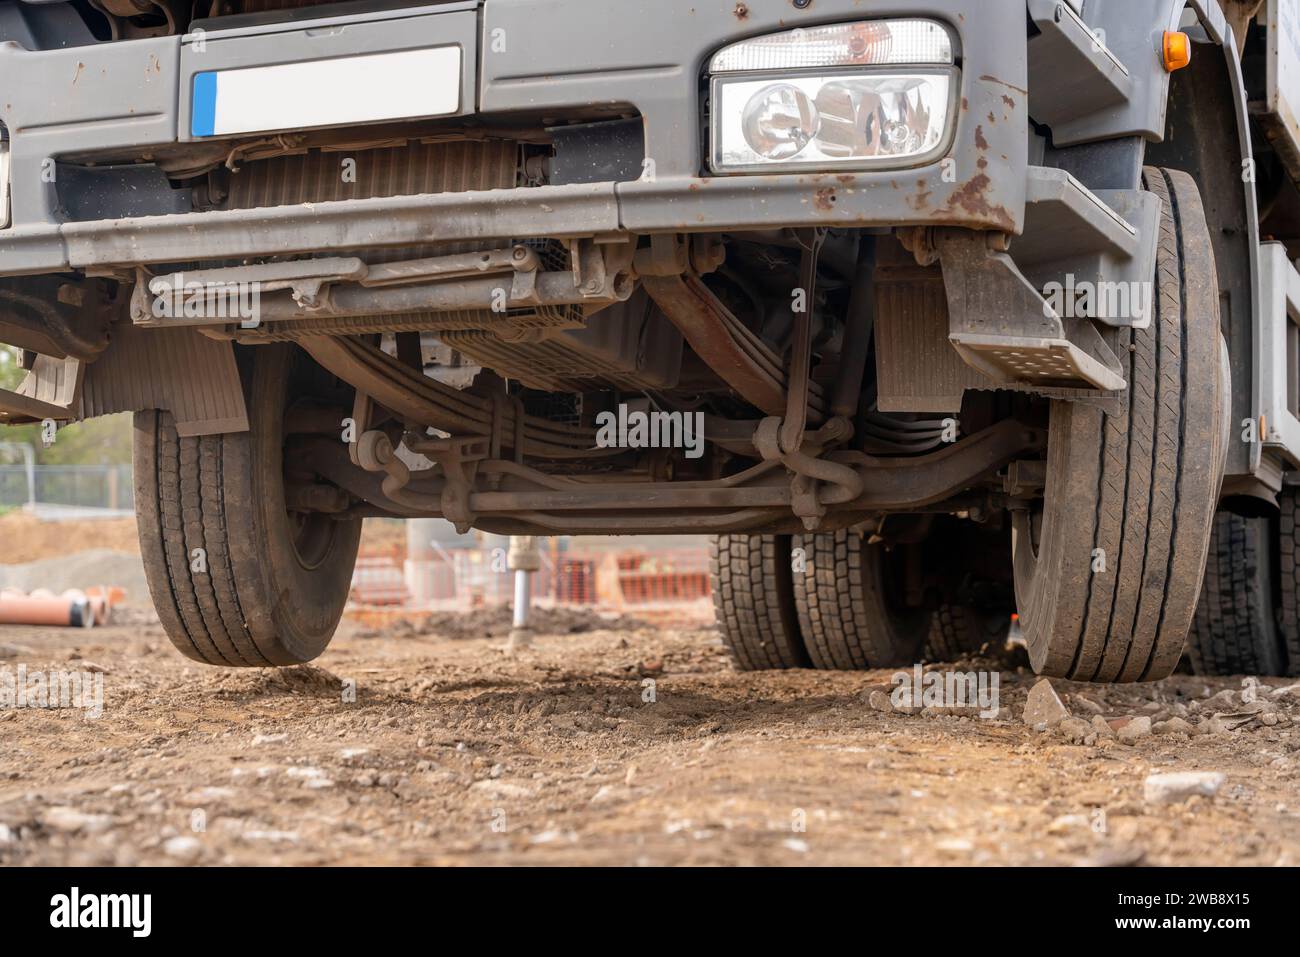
x,y
540,61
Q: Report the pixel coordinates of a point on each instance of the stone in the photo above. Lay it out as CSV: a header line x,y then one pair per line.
x,y
69,820
1088,704
1119,855
207,795
1102,727
1180,785
879,701
1043,706
1075,730
183,848
1224,699
1134,730
500,789
1173,726
1067,823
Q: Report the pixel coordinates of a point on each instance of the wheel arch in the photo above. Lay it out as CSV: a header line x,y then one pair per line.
x,y
1208,135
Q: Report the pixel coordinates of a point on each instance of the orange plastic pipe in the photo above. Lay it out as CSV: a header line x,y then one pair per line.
x,y
68,612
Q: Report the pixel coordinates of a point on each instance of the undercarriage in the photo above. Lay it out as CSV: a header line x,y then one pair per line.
x,y
923,333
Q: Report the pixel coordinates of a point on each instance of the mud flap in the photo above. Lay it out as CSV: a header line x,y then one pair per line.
x,y
177,370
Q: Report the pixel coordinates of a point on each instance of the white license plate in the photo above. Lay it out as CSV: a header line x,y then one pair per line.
x,y
342,90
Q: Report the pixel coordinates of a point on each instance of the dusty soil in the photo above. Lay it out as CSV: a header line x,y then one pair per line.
x,y
454,753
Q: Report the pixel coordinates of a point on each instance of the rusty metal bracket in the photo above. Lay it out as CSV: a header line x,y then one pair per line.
x,y
55,318
459,458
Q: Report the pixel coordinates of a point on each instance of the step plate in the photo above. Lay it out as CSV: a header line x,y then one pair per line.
x,y
1036,361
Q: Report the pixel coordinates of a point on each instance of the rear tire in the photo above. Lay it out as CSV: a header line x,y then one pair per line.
x,y
238,580
1235,631
851,602
753,600
957,630
1108,575
972,566
1288,576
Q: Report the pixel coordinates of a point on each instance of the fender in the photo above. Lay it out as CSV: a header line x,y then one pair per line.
x,y
1197,120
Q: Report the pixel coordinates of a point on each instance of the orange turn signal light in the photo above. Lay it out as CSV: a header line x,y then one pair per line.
x,y
1177,49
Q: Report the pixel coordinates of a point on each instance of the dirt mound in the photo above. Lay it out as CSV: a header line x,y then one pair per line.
x,y
25,538
306,680
383,535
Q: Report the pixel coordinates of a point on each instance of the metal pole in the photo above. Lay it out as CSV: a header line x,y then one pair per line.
x,y
29,459
523,557
523,599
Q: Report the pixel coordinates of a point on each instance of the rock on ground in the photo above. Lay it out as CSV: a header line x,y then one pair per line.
x,y
1043,707
1181,785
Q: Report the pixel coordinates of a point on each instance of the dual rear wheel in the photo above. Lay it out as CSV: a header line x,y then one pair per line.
x,y
1248,618
840,601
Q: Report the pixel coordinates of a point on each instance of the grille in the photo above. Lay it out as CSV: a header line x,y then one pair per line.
x,y
317,176
407,170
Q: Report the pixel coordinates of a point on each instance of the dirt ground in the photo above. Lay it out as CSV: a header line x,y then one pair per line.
x,y
612,743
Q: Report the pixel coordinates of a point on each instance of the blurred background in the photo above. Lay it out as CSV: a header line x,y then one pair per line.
x,y
67,521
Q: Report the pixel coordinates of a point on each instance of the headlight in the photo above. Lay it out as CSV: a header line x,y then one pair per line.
x,y
779,121
834,98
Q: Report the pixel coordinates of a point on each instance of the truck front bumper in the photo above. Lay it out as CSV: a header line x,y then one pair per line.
x,y
540,57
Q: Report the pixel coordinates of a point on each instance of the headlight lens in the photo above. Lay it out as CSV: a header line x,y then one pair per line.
x,y
832,121
779,121
878,93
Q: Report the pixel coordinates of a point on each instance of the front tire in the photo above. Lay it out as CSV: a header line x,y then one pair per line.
x,y
1109,571
237,579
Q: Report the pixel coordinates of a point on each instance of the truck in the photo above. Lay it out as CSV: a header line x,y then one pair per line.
x,y
932,312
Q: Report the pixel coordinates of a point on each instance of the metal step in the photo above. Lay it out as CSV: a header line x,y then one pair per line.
x,y
1002,326
1074,236
1073,75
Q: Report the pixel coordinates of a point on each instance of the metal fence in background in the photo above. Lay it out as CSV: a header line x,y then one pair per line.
x,y
54,489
